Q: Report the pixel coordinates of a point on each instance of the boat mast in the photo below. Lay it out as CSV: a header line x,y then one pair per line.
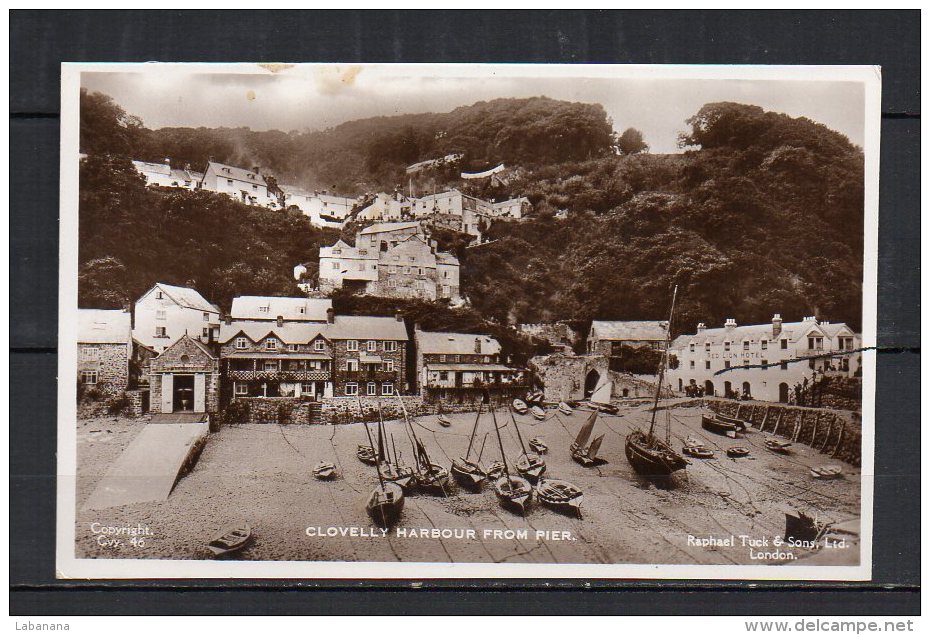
x,y
663,364
474,430
407,429
519,436
501,445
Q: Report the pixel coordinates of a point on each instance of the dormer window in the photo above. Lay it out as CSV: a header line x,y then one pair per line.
x,y
241,343
319,345
271,344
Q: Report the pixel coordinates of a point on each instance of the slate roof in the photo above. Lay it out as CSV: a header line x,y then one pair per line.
x,y
238,174
627,330
793,331
101,326
158,168
365,327
186,175
377,228
346,327
455,344
246,307
186,297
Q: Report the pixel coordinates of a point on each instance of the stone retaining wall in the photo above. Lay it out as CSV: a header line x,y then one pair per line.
x,y
281,410
833,433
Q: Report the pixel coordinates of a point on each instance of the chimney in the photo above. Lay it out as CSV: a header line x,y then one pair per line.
x,y
256,169
228,320
331,315
399,316
700,327
478,345
280,321
730,324
776,325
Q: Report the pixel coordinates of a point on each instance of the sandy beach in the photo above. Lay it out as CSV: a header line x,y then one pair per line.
x,y
261,474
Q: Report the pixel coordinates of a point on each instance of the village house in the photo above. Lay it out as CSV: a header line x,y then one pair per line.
x,y
454,210
104,349
185,378
459,366
764,361
515,208
608,337
390,260
344,356
386,208
245,186
163,175
166,312
323,210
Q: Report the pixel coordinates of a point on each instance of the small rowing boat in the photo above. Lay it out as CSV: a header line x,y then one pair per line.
x,y
827,472
230,540
385,504
560,495
698,452
366,454
519,406
324,470
565,409
538,413
538,446
777,445
530,467
718,426
513,492
737,452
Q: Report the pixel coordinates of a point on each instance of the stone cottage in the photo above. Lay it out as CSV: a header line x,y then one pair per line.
x,y
104,349
185,378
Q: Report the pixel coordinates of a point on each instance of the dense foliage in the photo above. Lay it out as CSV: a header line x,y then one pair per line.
x,y
132,236
762,213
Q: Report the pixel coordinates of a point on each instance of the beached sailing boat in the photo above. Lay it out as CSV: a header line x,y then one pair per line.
x,y
529,465
428,477
391,470
386,501
583,453
648,454
513,491
467,473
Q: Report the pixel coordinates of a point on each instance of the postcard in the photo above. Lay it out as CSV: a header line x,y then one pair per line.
x,y
414,322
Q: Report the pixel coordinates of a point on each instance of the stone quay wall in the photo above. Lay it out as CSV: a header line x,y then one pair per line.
x,y
832,433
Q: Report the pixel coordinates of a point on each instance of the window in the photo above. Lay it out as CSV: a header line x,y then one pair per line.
x,y
335,264
160,314
387,388
89,352
319,345
241,388
206,332
254,187
846,343
443,375
306,388
707,365
390,346
242,343
442,359
406,270
487,359
389,365
372,346
745,345
726,346
351,365
293,347
351,389
159,295
691,347
361,266
392,269
88,377
264,309
764,344
302,310
726,364
815,343
271,344
707,346
351,345
160,331
270,365
372,388
455,359
206,316
229,181
784,365
692,364
765,364
784,345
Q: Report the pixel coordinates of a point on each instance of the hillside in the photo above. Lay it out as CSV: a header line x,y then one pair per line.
x,y
763,213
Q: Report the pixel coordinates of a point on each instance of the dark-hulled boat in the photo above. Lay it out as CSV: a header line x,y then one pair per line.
x,y
534,398
739,423
230,540
559,495
428,477
718,426
800,526
324,470
466,472
583,453
647,453
529,465
698,452
385,504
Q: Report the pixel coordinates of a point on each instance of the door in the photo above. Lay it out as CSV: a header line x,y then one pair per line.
x,y
783,392
709,388
200,392
591,382
183,393
167,393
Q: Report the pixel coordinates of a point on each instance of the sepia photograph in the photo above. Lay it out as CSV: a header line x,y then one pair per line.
x,y
445,321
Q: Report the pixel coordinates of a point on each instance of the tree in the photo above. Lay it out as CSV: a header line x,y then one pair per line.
x,y
107,128
631,142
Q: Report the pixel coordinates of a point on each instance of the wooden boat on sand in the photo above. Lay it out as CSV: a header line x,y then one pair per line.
x,y
513,492
737,452
537,445
366,454
538,413
583,453
827,472
467,473
565,409
230,540
778,446
698,451
559,495
324,470
385,504
718,426
519,406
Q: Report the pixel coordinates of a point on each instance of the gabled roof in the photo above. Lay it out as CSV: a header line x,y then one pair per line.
x,y
378,228
101,326
246,307
156,168
289,333
630,330
367,327
510,202
238,174
184,296
186,175
455,343
445,258
792,331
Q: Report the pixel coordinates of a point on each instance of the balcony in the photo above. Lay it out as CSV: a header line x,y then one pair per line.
x,y
368,375
279,375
